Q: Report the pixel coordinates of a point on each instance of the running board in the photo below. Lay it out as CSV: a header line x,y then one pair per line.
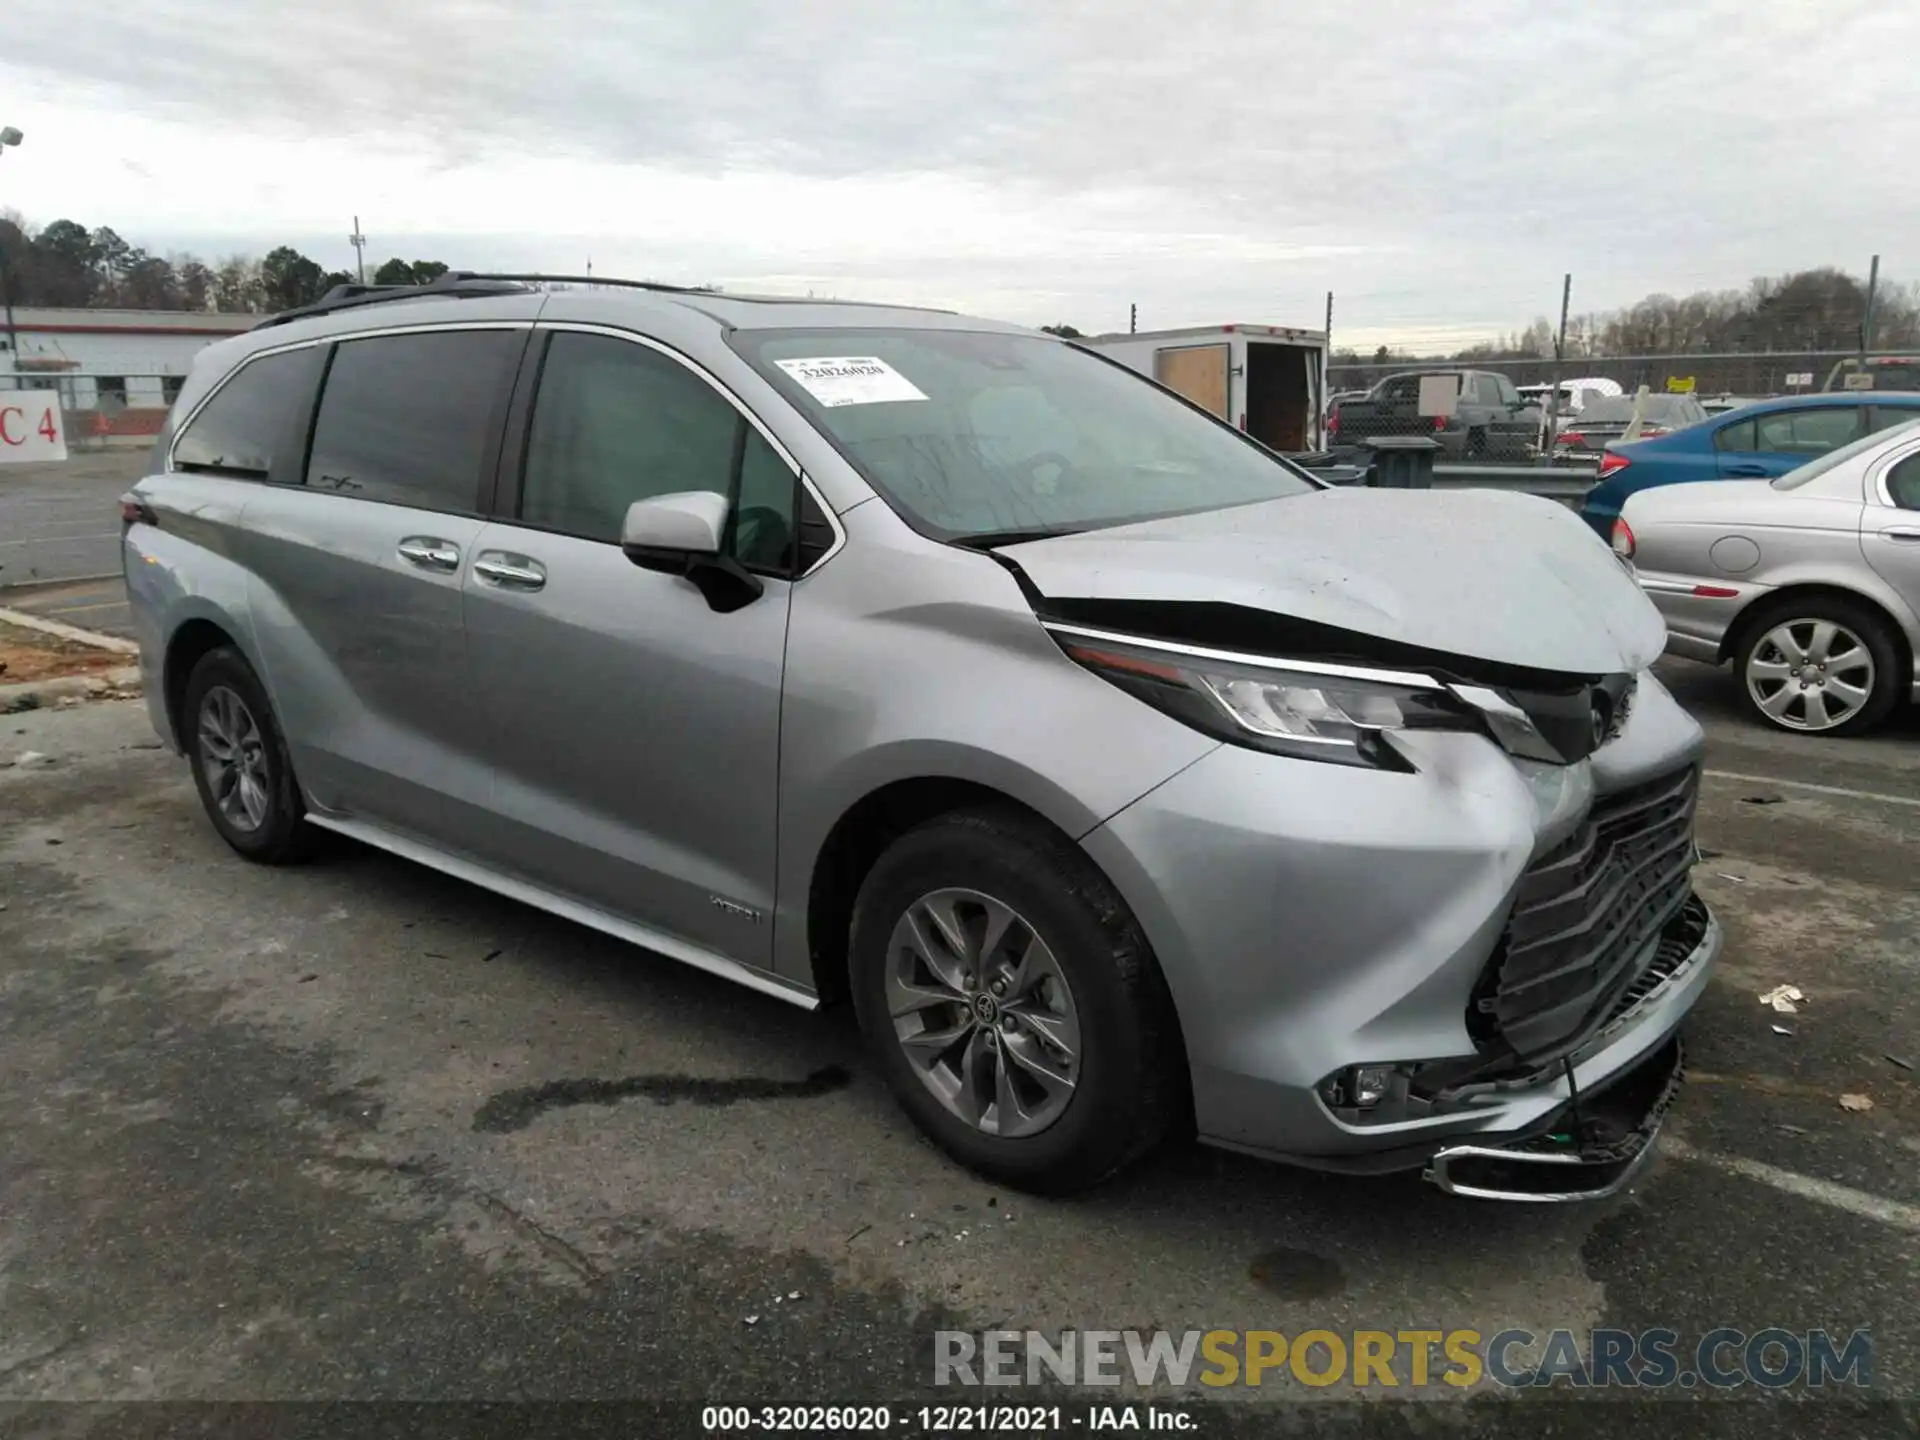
x,y
527,893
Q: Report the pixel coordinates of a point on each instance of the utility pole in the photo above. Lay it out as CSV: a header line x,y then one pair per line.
x,y
1866,318
9,136
1133,318
1326,364
359,243
1559,355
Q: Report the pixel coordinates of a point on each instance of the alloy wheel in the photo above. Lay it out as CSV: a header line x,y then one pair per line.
x,y
983,1013
1810,674
233,754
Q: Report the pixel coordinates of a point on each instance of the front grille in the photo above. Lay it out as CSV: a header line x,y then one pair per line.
x,y
1585,919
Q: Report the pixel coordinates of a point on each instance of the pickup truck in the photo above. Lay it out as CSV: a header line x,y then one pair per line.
x,y
1487,419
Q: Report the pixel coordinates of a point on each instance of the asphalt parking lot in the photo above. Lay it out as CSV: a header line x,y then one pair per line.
x,y
358,1130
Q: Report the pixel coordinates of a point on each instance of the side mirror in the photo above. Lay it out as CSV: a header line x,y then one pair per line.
x,y
671,527
681,534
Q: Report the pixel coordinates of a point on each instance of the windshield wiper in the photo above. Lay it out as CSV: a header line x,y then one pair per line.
x,y
993,539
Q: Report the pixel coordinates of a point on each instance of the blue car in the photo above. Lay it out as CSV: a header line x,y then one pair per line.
x,y
1754,442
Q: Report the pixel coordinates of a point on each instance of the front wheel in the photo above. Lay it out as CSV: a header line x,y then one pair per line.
x,y
1821,665
1016,1010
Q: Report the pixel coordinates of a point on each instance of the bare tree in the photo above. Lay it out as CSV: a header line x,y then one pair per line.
x,y
236,285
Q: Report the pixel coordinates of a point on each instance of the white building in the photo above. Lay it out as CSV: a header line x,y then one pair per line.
x,y
109,360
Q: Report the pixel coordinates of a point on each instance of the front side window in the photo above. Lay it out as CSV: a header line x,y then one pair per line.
x,y
1808,432
973,435
407,419
253,418
615,422
1832,460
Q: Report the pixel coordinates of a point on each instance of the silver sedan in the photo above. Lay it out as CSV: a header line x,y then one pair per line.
x,y
1809,584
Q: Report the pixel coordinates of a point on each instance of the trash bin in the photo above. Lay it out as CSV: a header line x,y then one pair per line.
x,y
1401,462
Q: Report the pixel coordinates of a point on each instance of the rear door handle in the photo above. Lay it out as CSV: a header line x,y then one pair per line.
x,y
1901,532
1755,471
510,572
429,553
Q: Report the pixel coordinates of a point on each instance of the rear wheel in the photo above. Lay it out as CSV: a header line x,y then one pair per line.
x,y
1015,1008
1821,665
240,763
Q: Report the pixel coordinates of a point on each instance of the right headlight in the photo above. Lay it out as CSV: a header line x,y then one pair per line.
x,y
1338,714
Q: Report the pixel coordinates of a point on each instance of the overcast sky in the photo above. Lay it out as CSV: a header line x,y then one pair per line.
x,y
1436,165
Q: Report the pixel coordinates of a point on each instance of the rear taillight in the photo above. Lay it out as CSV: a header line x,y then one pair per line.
x,y
1333,421
1612,463
1650,431
1439,422
1623,538
1567,439
135,511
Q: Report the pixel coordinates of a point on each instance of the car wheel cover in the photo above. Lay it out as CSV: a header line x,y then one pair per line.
x,y
1811,674
233,757
983,1013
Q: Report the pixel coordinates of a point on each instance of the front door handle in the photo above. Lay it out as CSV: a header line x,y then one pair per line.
x,y
1747,471
1901,532
429,553
510,572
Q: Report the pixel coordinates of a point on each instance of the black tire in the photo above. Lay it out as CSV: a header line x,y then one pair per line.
x,y
1131,1087
282,835
1889,654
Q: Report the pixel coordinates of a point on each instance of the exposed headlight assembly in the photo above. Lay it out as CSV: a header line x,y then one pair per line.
x,y
1336,713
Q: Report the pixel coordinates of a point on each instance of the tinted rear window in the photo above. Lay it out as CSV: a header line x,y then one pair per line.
x,y
253,417
408,418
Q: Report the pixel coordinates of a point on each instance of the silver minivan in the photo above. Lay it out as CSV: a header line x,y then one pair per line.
x,y
1125,779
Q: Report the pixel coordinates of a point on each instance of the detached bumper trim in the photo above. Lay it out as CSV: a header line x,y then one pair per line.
x,y
1439,1172
1521,1171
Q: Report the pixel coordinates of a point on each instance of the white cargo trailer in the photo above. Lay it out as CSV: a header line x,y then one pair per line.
x,y
1265,379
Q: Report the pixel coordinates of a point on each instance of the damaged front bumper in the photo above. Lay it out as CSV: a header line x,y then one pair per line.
x,y
1312,920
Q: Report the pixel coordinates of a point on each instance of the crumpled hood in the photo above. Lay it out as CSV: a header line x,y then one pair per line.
x,y
1512,579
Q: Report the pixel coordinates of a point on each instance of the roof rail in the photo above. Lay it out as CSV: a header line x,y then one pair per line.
x,y
529,278
454,285
474,284
591,281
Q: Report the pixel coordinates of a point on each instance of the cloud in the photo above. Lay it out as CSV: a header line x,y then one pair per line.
x,y
1432,165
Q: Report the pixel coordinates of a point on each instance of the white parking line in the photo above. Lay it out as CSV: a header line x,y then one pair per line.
x,y
1826,1192
64,539
1817,789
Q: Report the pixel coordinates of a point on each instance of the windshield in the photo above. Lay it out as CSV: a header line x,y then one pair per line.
x,y
976,435
1814,468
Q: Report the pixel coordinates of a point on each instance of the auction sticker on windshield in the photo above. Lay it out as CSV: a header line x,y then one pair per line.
x,y
850,380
